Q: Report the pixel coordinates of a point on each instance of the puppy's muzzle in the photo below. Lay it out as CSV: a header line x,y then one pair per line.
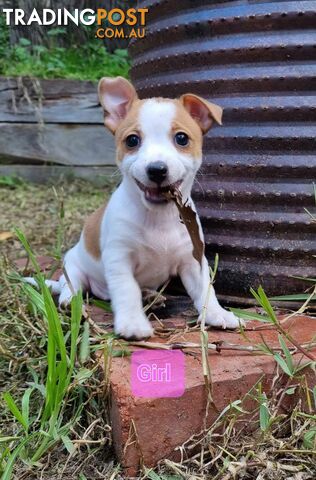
x,y
157,194
157,172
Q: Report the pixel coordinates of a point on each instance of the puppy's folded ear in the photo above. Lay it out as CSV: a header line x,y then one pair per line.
x,y
116,97
202,111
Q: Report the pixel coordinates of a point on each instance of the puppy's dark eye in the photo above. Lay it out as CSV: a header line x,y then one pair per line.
x,y
132,141
181,139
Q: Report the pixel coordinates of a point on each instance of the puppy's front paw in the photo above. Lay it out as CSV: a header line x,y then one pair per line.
x,y
133,326
65,297
222,318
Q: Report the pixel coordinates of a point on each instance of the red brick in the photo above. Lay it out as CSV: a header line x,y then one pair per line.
x,y
162,424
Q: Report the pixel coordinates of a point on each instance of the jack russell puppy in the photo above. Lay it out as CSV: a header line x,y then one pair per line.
x,y
137,241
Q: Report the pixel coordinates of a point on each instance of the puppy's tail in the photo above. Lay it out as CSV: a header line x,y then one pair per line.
x,y
53,285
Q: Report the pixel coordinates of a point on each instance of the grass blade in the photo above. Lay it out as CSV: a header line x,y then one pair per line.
x,y
85,343
282,364
15,410
26,405
7,474
263,300
102,304
239,312
68,444
76,315
287,354
264,414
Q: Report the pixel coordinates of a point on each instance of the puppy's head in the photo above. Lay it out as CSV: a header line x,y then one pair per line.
x,y
158,140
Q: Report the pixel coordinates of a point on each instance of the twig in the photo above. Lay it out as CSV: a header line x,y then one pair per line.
x,y
204,353
215,346
159,294
294,342
296,450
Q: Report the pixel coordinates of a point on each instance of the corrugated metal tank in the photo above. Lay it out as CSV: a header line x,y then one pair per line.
x,y
257,60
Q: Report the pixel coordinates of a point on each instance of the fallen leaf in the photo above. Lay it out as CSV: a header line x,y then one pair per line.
x,y
5,236
189,218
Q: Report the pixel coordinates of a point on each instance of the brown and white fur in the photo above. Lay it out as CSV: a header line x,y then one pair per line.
x,y
137,241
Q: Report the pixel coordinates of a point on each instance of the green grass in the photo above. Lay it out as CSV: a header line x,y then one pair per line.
x,y
4,38
88,61
39,433
47,406
49,383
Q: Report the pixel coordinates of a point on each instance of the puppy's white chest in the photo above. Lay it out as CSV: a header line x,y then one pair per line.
x,y
158,255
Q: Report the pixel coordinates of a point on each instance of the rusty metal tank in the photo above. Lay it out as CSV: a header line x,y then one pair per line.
x,y
257,59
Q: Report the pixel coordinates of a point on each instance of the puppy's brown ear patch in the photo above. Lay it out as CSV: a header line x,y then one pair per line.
x,y
202,111
116,97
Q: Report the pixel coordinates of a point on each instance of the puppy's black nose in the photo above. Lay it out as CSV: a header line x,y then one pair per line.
x,y
157,172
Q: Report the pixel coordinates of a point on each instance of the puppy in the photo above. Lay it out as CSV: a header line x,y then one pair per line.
x,y
137,241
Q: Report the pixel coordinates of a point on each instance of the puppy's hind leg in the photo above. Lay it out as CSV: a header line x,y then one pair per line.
x,y
53,285
66,287
70,283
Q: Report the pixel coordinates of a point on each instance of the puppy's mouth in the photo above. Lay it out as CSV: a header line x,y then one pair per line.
x,y
157,194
